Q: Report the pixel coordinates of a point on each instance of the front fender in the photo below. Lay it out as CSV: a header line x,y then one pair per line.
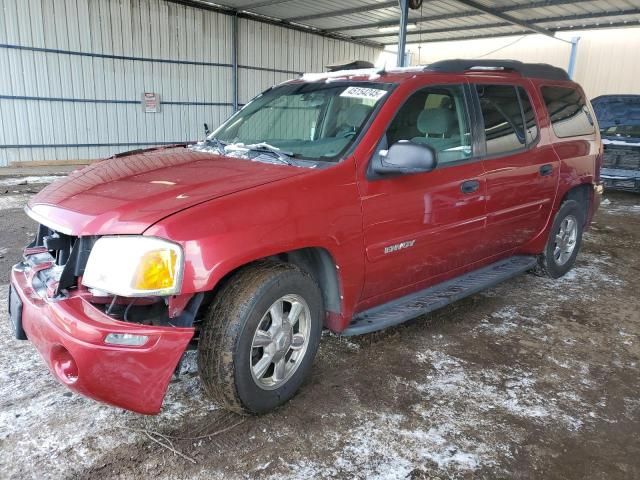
x,y
321,209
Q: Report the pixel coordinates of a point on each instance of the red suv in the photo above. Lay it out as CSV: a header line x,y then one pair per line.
x,y
351,200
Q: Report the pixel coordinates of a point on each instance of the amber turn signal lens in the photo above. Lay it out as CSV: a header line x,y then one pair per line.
x,y
157,270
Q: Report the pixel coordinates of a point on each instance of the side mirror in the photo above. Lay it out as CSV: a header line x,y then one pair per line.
x,y
206,130
405,157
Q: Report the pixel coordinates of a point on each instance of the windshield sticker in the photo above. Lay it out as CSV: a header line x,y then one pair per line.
x,y
362,92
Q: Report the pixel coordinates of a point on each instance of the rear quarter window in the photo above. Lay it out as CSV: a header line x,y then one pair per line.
x,y
568,111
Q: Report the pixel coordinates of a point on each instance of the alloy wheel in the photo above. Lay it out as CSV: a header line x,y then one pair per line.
x,y
280,342
566,240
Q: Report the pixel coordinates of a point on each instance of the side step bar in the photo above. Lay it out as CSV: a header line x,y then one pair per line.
x,y
411,306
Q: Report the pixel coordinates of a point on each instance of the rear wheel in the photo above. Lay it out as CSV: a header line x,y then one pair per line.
x,y
564,241
260,337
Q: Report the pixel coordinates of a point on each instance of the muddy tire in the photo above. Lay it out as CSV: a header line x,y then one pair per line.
x,y
260,337
565,239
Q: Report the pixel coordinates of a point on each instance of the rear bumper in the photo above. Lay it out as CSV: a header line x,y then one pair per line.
x,y
70,333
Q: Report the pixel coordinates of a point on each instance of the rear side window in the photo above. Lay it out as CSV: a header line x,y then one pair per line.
x,y
568,111
503,120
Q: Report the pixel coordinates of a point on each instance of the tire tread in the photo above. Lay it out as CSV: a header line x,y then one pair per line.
x,y
545,266
223,325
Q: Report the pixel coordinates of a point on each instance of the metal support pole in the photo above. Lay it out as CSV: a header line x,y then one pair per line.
x,y
234,61
402,33
572,56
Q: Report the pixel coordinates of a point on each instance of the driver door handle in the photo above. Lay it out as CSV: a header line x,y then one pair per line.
x,y
470,186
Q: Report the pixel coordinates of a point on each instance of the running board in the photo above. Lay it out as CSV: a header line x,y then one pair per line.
x,y
411,306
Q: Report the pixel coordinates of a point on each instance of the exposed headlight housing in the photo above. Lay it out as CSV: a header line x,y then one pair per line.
x,y
134,266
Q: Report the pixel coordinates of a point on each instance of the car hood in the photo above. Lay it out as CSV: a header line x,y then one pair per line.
x,y
126,194
612,110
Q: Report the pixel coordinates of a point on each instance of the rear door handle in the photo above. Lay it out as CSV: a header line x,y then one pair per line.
x,y
469,186
546,170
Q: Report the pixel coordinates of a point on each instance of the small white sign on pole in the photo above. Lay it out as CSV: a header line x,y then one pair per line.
x,y
151,102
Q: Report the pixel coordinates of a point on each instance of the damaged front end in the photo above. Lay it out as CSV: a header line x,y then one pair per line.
x,y
113,348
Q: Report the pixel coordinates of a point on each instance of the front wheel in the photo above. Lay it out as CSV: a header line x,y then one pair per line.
x,y
260,337
565,239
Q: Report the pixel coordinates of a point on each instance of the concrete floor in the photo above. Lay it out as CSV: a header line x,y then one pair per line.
x,y
533,379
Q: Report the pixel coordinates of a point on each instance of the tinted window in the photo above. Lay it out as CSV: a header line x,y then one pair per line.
x,y
531,127
568,111
503,124
435,116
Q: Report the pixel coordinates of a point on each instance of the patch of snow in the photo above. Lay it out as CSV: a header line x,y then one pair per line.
x,y
373,452
29,180
632,407
434,445
560,363
507,389
188,363
587,273
344,341
385,445
13,201
621,209
506,320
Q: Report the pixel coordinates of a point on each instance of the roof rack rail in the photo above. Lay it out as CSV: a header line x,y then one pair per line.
x,y
534,70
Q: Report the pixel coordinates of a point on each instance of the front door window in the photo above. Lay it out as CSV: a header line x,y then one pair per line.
x,y
435,116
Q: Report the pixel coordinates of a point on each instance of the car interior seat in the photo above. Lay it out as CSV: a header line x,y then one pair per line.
x,y
438,126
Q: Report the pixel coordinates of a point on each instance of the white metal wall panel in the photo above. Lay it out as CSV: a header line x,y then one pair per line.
x,y
613,56
80,94
56,84
605,63
290,51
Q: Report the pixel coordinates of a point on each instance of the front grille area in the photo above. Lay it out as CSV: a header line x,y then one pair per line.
x,y
58,244
623,157
69,253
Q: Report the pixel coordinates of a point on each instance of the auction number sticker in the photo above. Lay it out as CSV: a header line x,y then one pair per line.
x,y
363,92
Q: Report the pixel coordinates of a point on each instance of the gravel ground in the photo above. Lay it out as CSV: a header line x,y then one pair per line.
x,y
533,379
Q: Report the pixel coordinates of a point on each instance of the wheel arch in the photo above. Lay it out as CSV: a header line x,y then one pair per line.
x,y
582,194
320,264
317,261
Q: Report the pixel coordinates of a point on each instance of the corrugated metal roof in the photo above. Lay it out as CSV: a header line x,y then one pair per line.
x,y
369,21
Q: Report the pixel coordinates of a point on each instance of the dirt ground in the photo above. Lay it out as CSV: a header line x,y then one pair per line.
x,y
533,379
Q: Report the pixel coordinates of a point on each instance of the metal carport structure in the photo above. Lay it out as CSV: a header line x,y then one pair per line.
x,y
390,22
